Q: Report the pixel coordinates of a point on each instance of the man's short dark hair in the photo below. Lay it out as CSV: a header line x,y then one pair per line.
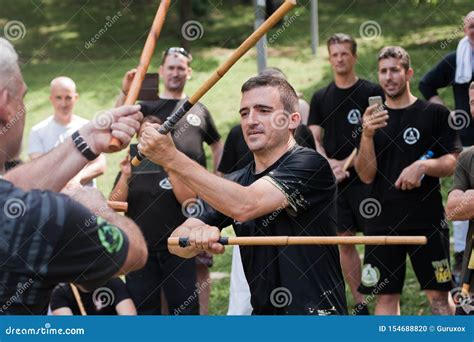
x,y
288,96
472,85
341,38
395,52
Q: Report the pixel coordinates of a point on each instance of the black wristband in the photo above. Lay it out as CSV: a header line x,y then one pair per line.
x,y
82,146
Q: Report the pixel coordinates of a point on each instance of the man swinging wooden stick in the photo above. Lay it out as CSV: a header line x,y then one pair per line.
x,y
288,190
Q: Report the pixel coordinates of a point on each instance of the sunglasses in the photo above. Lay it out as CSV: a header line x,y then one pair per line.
x,y
179,50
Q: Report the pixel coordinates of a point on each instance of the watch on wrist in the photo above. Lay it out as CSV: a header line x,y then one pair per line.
x,y
82,146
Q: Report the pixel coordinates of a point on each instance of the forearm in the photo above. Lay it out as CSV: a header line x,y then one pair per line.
x,y
93,170
66,161
120,99
460,206
230,199
120,191
366,160
126,308
217,149
439,167
181,191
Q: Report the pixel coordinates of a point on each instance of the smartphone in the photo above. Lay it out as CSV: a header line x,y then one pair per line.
x,y
376,100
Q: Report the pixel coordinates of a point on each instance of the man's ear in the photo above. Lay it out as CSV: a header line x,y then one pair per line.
x,y
3,105
190,73
295,120
410,73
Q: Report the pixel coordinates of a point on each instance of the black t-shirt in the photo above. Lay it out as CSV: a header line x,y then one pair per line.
x,y
410,133
237,155
196,127
101,301
152,204
463,180
339,112
308,276
47,238
443,75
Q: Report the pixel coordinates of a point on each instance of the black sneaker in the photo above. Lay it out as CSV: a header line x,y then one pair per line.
x,y
361,309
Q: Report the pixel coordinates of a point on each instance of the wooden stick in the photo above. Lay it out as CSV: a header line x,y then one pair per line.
x,y
121,207
221,71
145,60
349,160
310,240
77,296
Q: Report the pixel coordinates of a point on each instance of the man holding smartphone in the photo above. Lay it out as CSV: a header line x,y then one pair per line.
x,y
405,187
336,111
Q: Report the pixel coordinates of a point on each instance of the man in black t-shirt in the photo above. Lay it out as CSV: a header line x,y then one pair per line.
x,y
110,299
456,72
287,190
460,206
189,134
45,237
404,150
336,111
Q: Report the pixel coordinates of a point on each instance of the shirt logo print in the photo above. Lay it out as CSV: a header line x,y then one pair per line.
x,y
193,119
411,135
165,184
354,116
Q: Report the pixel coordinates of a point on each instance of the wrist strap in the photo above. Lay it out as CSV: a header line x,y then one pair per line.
x,y
82,146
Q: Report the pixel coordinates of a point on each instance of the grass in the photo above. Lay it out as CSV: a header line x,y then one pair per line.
x,y
57,32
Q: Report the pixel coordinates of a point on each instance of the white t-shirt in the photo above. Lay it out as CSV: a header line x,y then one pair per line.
x,y
48,134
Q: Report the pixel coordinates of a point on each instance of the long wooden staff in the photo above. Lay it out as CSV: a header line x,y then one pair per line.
x,y
145,59
309,240
220,72
77,296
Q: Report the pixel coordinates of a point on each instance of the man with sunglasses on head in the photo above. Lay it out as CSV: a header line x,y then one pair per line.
x,y
190,133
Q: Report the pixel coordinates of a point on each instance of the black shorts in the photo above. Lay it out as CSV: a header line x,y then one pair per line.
x,y
349,218
384,267
175,275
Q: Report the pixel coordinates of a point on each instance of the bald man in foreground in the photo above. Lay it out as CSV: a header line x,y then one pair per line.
x,y
55,129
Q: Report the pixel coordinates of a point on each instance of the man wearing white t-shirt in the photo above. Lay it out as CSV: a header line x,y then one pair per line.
x,y
52,131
